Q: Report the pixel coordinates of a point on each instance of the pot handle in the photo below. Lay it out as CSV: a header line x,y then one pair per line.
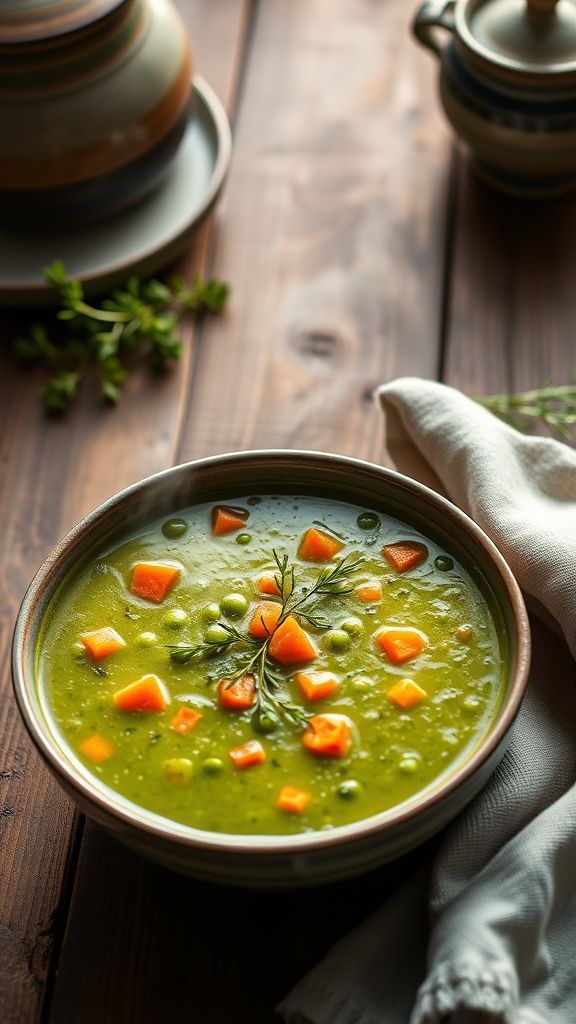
x,y
431,15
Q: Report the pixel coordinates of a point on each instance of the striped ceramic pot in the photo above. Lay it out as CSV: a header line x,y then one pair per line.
x,y
94,98
508,87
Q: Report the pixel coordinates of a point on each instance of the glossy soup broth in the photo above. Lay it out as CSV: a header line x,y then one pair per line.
x,y
391,751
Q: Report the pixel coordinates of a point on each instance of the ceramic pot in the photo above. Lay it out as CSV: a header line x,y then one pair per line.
x,y
93,102
508,87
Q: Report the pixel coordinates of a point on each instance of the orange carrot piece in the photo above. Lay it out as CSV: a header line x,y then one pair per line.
x,y
406,694
97,749
239,695
405,555
369,593
153,580
328,735
146,694
264,620
293,800
317,685
227,520
267,584
184,720
290,643
248,754
401,643
318,546
101,642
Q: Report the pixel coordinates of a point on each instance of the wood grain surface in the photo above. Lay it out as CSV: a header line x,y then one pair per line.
x,y
359,248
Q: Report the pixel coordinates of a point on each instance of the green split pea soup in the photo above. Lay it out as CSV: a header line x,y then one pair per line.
x,y
276,666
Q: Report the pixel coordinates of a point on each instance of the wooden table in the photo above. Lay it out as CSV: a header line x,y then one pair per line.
x,y
359,247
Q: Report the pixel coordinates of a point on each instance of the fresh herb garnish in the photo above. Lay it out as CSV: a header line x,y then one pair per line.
x,y
551,405
142,318
268,704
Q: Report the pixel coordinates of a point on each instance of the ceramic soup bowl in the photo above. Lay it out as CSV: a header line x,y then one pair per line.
x,y
316,854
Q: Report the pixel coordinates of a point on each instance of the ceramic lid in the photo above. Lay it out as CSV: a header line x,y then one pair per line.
x,y
29,21
528,35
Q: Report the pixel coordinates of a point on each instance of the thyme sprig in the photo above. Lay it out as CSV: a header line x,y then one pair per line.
x,y
141,318
269,705
551,405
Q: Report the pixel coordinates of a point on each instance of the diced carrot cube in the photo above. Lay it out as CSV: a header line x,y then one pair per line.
x,y
406,693
264,620
369,593
267,584
293,800
318,546
401,643
239,695
405,555
248,754
328,735
101,642
317,685
97,749
153,580
146,694
290,643
184,720
227,520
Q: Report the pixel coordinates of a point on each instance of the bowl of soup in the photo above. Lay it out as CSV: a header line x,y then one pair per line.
x,y
272,668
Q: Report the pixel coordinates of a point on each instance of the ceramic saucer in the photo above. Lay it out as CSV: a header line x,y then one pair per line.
x,y
140,239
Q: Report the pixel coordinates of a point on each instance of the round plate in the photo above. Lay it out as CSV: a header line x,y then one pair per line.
x,y
138,240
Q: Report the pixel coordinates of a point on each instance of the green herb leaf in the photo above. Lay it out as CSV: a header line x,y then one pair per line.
x,y
142,317
550,405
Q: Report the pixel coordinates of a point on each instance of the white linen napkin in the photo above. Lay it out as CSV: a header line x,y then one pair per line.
x,y
487,933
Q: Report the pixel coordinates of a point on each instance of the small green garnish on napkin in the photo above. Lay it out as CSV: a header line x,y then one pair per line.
x,y
141,318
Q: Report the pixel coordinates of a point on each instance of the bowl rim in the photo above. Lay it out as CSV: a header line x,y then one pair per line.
x,y
157,827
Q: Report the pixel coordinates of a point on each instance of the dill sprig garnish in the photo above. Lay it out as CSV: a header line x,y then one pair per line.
x,y
269,704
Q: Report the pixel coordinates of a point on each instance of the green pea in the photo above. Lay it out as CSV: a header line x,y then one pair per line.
x,y
174,528
264,721
349,789
444,563
243,538
146,639
234,605
353,626
212,765
216,634
409,765
368,521
178,769
175,618
338,639
255,500
211,612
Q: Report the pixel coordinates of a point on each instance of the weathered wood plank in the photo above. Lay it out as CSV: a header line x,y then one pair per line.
x,y
332,234
52,473
512,303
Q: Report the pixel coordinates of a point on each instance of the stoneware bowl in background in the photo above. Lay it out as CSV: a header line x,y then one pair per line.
x,y
508,87
262,860
93,104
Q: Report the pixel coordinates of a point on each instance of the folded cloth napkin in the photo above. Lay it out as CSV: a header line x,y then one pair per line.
x,y
487,933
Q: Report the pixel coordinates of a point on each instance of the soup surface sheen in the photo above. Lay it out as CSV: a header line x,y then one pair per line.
x,y
389,752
